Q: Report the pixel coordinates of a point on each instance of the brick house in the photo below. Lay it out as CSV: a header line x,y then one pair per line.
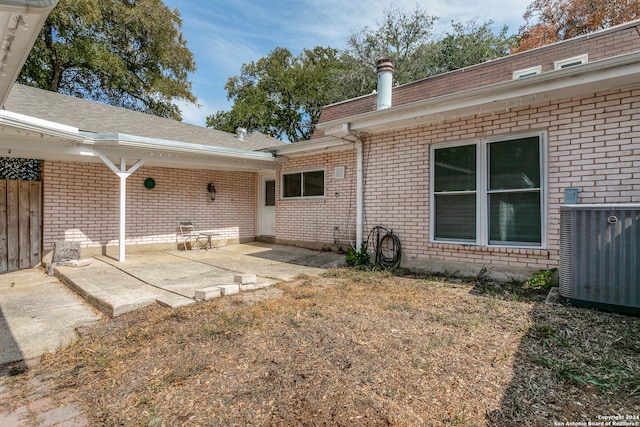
x,y
469,168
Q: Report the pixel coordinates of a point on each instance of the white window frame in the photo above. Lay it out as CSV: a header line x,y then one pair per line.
x,y
302,172
482,191
574,61
527,72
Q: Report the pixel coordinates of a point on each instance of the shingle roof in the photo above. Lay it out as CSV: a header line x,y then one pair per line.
x,y
94,117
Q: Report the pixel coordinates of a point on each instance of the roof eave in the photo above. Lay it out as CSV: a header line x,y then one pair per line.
x,y
71,144
33,124
314,145
20,24
153,144
620,71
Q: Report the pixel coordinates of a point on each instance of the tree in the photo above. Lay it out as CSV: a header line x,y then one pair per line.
x,y
281,94
549,21
469,44
128,53
400,35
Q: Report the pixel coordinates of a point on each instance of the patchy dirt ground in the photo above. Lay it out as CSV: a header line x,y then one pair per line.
x,y
353,348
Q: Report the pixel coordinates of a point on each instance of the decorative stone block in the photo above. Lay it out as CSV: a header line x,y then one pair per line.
x,y
244,279
229,289
208,293
65,250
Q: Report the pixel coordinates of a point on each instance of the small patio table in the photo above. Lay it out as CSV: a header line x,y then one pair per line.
x,y
208,235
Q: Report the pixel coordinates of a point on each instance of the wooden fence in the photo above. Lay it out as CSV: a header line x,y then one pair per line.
x,y
20,224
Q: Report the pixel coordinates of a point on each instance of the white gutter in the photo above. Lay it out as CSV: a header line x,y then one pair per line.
x,y
20,24
305,147
624,70
132,141
33,124
28,6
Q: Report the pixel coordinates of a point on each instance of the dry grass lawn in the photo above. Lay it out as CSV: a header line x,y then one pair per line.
x,y
353,348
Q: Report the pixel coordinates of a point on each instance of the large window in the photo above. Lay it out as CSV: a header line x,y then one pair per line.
x,y
303,184
489,192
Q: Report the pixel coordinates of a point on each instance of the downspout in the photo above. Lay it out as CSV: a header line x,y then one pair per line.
x,y
384,68
359,193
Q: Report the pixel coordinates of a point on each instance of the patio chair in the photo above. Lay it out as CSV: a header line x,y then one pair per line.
x,y
188,236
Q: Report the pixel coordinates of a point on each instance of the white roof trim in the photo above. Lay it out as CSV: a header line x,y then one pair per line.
x,y
139,142
35,124
28,6
313,145
20,24
80,143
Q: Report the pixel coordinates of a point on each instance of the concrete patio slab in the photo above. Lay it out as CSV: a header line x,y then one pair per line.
x,y
38,314
172,278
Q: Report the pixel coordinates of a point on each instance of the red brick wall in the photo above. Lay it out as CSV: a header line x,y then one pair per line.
x,y
81,202
314,221
604,44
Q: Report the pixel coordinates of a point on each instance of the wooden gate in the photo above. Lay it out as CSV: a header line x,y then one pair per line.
x,y
20,224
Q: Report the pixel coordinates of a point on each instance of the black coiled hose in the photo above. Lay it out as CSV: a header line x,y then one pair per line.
x,y
386,247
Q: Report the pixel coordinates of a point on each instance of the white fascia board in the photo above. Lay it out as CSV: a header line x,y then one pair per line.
x,y
20,24
33,124
623,70
139,142
28,6
313,145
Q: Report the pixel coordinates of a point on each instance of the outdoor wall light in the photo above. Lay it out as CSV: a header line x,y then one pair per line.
x,y
212,190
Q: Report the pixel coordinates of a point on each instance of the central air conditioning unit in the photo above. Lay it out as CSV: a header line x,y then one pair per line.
x,y
600,256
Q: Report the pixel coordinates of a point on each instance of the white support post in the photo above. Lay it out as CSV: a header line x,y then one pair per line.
x,y
123,174
123,210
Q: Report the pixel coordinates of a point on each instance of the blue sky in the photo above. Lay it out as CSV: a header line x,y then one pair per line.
x,y
224,34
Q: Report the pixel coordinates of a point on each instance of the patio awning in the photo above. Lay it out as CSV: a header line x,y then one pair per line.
x,y
31,137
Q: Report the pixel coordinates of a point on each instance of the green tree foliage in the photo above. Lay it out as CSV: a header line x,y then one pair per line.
x,y
281,94
128,53
468,44
402,36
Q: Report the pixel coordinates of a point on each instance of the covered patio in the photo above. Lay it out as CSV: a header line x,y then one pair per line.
x,y
114,178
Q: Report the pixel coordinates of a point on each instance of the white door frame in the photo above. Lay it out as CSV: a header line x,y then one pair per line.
x,y
263,177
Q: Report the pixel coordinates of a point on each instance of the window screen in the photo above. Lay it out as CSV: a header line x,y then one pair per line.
x,y
303,184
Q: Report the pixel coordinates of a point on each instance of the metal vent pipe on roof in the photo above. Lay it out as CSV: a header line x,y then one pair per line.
x,y
241,133
384,68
